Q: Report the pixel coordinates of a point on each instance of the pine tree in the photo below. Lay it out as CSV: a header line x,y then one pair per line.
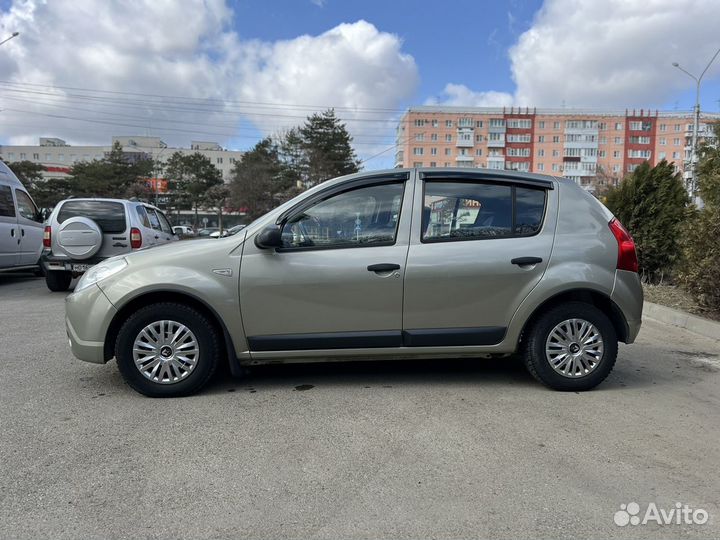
x,y
193,175
328,153
652,204
258,178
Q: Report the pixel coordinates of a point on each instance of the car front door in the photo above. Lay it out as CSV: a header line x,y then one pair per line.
x,y
337,280
9,233
481,246
31,229
167,234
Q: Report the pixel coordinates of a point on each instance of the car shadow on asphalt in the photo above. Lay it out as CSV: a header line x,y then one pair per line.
x,y
386,373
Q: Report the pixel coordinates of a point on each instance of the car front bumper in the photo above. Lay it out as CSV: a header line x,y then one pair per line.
x,y
88,314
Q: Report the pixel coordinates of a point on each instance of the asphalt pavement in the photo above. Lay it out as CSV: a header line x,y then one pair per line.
x,y
441,449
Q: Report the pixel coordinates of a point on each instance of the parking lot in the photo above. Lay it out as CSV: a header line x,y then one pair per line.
x,y
442,449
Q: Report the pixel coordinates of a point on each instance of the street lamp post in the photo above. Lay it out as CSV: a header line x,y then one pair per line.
x,y
692,185
14,34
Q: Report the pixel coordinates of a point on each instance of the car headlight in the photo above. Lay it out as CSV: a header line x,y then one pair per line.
x,y
100,271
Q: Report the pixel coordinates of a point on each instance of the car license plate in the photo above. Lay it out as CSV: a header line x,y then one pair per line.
x,y
78,267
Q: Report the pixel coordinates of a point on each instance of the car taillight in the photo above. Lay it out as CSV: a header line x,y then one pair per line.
x,y
47,236
135,238
627,256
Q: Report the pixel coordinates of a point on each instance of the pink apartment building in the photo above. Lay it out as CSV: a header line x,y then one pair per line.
x,y
573,143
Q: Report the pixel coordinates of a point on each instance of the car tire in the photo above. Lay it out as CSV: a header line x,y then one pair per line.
x,y
544,347
177,382
58,280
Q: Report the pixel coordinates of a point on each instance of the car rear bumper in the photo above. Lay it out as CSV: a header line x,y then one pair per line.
x,y
88,314
52,262
628,296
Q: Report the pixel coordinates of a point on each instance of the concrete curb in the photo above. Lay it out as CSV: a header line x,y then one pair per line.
x,y
675,317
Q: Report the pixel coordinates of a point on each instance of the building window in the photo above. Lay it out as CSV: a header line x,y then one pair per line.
x,y
219,160
676,142
521,123
433,151
36,157
556,125
433,137
640,140
514,138
47,157
603,140
616,168
601,153
433,164
479,123
541,152
540,167
448,123
417,164
556,153
618,140
661,155
417,151
446,164
631,167
663,127
618,126
23,156
663,141
676,155
497,122
448,151
555,167
478,152
541,138
419,136
478,138
434,123
541,124
602,126
678,127
465,122
556,138
419,123
448,138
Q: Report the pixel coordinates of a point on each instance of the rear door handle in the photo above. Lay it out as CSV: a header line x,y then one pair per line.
x,y
383,267
525,261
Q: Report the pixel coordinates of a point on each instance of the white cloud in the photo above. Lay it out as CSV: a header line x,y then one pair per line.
x,y
461,95
319,3
611,53
155,47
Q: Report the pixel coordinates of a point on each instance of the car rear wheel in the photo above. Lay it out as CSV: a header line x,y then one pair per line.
x,y
58,280
573,346
167,350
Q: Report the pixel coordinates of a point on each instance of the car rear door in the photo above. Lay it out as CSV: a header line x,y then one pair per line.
x,y
9,233
337,281
30,224
481,246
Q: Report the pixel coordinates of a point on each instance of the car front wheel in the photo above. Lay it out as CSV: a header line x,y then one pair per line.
x,y
573,346
167,350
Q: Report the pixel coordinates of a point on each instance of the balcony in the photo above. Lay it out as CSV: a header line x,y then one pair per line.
x,y
465,160
496,143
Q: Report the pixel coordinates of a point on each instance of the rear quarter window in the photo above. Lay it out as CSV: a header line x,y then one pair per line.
x,y
7,206
110,216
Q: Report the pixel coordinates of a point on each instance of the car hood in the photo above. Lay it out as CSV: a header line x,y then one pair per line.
x,y
176,252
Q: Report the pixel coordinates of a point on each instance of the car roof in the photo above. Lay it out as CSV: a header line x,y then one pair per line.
x,y
490,174
7,176
108,199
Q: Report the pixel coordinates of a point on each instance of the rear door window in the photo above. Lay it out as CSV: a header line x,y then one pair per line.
x,y
154,221
142,216
109,215
7,206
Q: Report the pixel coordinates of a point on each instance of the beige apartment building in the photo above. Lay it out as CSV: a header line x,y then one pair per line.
x,y
577,144
58,157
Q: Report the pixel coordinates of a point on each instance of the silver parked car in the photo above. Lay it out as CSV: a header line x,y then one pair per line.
x,y
21,226
405,263
83,232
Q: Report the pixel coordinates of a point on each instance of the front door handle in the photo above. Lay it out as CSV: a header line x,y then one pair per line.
x,y
383,267
525,261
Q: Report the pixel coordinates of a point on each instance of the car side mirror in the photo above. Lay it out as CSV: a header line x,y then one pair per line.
x,y
270,237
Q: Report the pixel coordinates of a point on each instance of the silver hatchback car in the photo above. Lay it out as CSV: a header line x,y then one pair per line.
x,y
397,264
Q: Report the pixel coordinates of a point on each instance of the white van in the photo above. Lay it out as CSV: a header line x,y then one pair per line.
x,y
21,226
